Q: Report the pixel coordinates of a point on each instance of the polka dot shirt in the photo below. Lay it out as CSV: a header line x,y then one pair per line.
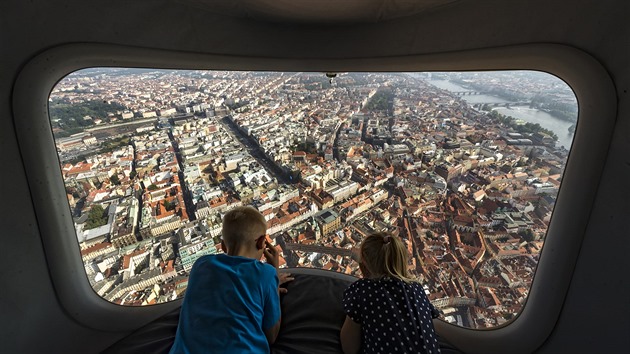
x,y
395,316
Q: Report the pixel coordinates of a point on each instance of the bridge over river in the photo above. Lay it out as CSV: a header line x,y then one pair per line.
x,y
469,93
478,105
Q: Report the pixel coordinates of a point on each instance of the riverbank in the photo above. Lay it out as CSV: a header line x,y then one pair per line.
x,y
558,126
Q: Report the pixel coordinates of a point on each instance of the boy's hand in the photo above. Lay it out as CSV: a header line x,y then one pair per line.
x,y
284,278
272,255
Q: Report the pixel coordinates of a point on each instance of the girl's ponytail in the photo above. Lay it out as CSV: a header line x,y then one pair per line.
x,y
385,255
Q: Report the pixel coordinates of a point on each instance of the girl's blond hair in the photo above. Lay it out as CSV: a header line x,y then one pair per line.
x,y
384,255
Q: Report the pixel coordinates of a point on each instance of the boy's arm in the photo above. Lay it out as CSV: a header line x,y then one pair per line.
x,y
350,336
273,300
272,333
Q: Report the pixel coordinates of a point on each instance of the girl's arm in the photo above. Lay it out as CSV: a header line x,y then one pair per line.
x,y
350,336
435,313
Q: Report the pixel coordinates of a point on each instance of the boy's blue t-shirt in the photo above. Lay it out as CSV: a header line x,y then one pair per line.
x,y
229,303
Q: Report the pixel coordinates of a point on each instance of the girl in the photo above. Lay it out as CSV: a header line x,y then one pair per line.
x,y
387,311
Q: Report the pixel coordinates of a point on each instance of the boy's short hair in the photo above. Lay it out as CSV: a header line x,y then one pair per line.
x,y
242,224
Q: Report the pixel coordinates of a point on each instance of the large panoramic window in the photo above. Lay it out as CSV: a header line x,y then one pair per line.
x,y
464,167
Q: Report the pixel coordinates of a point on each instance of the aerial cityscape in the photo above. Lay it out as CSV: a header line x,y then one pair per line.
x,y
460,166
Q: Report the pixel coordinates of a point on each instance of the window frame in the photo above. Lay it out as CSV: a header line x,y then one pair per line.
x,y
597,112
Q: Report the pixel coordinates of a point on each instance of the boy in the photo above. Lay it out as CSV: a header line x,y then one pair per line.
x,y
232,303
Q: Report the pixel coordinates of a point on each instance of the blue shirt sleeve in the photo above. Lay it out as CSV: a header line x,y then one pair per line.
x,y
272,298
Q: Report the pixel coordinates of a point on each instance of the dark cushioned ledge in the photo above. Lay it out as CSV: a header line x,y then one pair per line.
x,y
312,316
156,337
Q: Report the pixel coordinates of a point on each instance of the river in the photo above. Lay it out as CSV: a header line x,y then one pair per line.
x,y
547,121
